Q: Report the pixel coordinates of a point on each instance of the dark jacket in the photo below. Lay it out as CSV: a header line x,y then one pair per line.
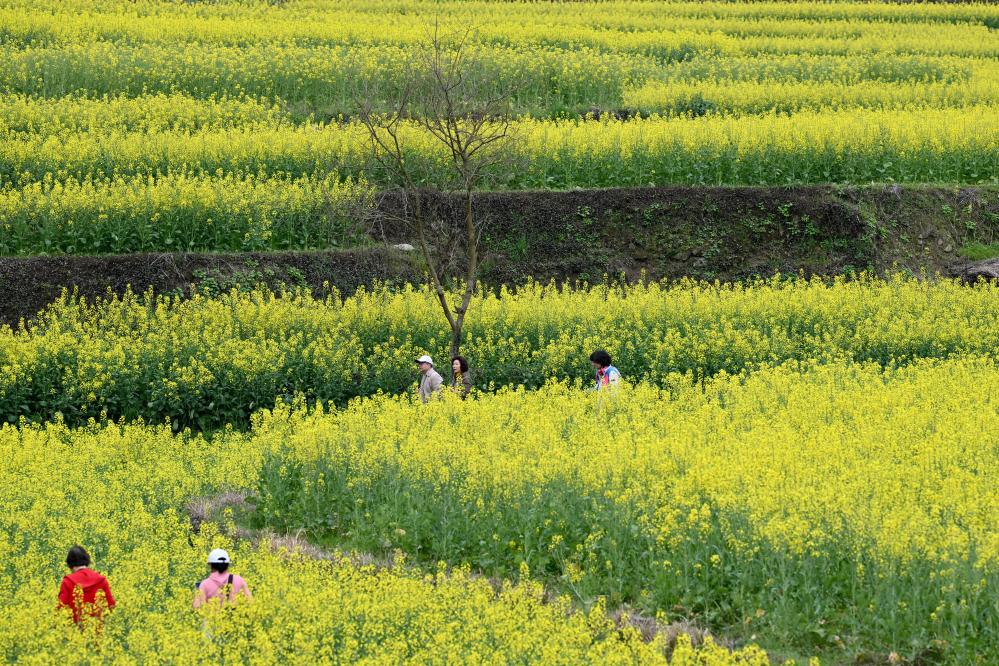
x,y
462,384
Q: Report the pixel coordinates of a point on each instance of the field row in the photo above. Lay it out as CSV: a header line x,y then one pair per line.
x,y
549,81
936,145
618,26
182,213
207,362
615,13
678,43
759,97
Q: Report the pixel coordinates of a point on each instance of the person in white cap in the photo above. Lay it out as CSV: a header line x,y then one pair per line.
x,y
220,584
431,382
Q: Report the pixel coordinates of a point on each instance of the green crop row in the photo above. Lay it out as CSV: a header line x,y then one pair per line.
x,y
622,26
675,98
551,80
208,362
326,81
44,116
853,146
181,213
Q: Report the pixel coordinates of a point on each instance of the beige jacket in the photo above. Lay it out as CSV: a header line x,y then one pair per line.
x,y
430,384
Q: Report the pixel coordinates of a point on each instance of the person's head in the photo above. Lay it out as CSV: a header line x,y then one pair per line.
x,y
218,560
459,364
77,557
425,363
600,359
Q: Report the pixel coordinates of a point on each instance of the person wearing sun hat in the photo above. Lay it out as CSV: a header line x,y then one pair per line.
x,y
431,382
220,584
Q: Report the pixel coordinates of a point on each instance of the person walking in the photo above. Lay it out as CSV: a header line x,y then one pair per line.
x,y
607,375
431,382
461,381
84,590
220,584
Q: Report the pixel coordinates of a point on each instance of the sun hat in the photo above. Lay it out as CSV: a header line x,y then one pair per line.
x,y
425,359
218,556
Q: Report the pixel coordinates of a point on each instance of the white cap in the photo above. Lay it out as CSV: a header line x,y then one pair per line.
x,y
425,359
218,556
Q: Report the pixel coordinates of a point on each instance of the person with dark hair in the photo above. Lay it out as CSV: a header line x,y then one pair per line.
x,y
461,382
607,375
220,584
84,590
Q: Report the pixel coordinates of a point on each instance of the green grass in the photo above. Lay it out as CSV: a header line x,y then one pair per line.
x,y
977,251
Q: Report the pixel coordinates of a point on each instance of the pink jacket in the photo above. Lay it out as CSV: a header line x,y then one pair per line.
x,y
214,587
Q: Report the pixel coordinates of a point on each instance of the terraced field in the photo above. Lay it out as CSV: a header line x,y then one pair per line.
x,y
793,470
149,126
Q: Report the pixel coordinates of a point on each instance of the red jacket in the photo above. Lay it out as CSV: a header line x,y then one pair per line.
x,y
90,582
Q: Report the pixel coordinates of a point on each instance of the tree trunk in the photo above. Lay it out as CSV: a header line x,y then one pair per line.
x,y
472,241
471,273
456,336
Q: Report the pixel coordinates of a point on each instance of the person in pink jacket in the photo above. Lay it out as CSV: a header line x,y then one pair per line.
x,y
220,584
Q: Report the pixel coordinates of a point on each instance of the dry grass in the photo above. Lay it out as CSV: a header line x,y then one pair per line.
x,y
649,629
209,509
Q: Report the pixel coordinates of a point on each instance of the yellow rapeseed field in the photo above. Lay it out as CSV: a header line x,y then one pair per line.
x,y
840,500
114,97
797,468
208,361
807,463
121,490
834,508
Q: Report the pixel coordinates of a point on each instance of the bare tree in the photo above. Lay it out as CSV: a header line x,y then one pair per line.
x,y
469,119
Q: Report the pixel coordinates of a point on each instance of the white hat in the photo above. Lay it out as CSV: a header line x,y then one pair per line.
x,y
218,556
425,359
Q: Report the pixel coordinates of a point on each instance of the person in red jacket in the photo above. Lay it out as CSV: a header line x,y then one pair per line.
x,y
84,590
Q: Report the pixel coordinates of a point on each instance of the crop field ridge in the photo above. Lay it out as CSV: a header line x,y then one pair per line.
x,y
586,235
